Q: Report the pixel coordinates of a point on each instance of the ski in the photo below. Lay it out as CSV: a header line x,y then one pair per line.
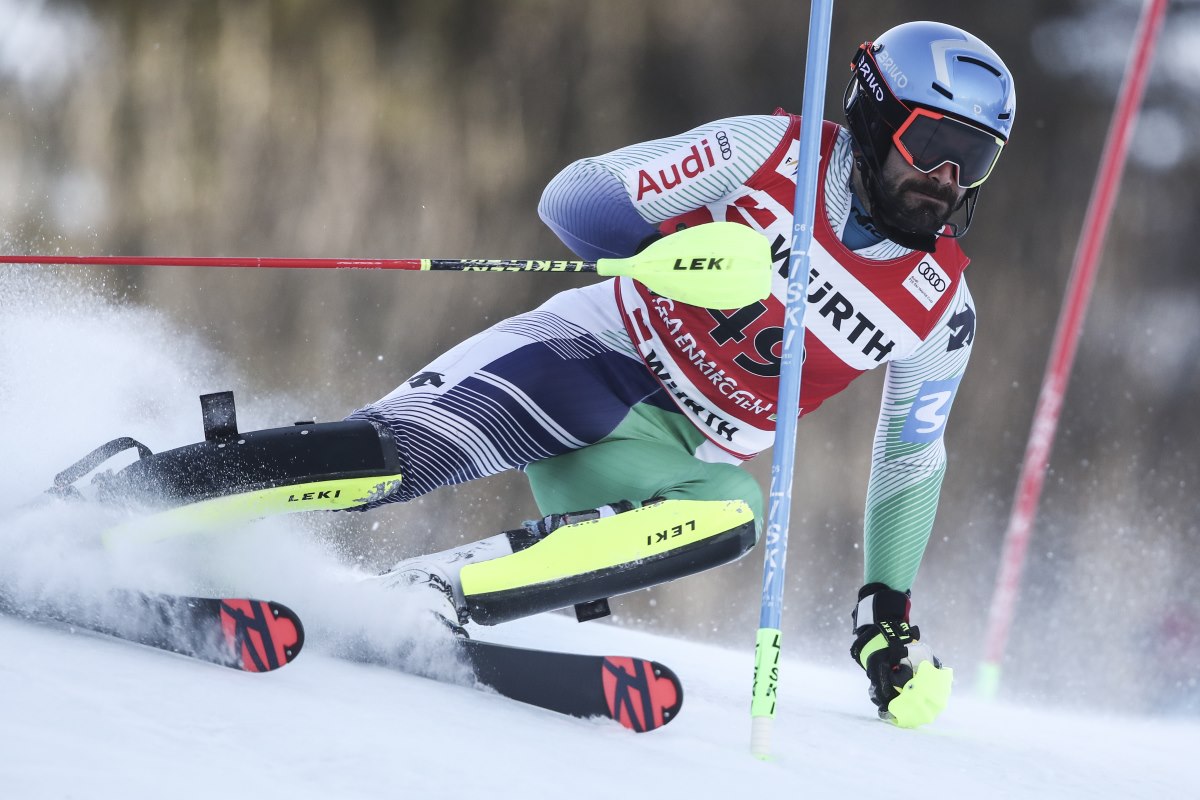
x,y
639,694
236,632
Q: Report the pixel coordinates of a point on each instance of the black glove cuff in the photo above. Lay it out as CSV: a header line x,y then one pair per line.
x,y
879,602
649,240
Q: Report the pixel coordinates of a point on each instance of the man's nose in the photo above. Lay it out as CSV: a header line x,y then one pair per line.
x,y
946,174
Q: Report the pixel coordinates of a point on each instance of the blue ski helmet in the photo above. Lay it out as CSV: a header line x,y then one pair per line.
x,y
935,93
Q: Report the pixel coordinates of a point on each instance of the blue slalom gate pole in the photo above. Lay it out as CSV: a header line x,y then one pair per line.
x,y
767,645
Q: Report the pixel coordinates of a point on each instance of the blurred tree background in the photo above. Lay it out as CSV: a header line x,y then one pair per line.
x,y
428,129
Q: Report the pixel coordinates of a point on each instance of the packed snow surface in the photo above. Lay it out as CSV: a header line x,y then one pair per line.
x,y
87,717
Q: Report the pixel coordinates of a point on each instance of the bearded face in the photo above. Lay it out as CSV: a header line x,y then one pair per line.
x,y
919,201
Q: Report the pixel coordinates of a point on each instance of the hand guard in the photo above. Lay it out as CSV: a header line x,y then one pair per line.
x,y
909,685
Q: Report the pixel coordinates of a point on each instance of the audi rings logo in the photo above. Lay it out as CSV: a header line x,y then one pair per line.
x,y
927,283
931,276
726,147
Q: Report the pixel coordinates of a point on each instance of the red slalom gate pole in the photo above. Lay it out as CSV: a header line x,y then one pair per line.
x,y
1066,340
276,263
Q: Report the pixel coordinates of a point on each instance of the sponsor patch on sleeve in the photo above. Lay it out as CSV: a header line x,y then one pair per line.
x,y
654,179
927,418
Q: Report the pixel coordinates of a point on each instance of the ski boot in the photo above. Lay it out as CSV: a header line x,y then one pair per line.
x,y
441,572
582,558
417,573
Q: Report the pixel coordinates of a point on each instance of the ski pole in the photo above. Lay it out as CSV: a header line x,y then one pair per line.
x,y
1066,340
719,265
767,645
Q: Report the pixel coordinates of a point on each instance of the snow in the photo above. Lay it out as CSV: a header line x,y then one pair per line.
x,y
89,717
83,716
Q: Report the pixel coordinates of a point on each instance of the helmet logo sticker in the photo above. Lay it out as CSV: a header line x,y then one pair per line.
x,y
941,66
892,70
869,80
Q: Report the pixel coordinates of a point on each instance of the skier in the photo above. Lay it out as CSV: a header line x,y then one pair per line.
x,y
639,408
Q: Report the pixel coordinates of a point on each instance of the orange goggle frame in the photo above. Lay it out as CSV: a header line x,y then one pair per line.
x,y
928,139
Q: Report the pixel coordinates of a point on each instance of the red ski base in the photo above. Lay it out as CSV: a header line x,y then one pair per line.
x,y
641,695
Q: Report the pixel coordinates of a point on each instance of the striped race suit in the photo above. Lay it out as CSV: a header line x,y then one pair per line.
x,y
611,392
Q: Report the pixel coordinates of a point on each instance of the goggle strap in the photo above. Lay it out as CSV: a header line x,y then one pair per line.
x,y
870,84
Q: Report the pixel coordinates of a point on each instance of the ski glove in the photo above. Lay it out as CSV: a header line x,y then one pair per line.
x,y
909,685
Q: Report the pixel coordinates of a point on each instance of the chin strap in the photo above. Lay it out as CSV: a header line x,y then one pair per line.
x,y
951,230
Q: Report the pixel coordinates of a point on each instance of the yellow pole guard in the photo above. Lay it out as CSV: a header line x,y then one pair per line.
x,y
599,544
209,515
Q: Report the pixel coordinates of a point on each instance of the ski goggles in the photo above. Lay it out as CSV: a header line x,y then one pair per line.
x,y
927,139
